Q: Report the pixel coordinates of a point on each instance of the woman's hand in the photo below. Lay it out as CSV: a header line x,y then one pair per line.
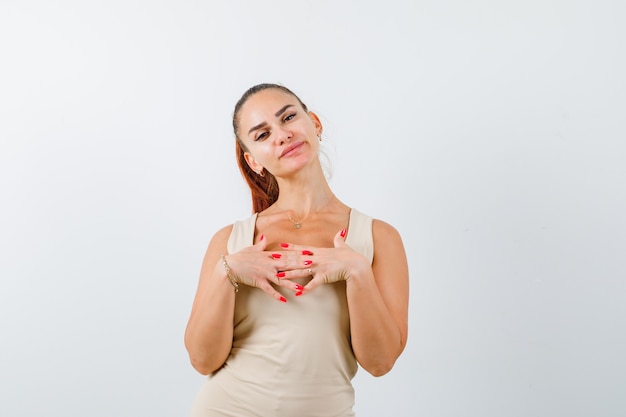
x,y
256,267
324,265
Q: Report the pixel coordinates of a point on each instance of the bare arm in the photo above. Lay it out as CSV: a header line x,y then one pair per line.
x,y
377,294
209,333
378,302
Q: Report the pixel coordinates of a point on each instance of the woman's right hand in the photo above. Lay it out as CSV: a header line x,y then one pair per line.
x,y
256,267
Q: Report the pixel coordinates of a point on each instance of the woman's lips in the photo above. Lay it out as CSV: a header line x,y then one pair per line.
x,y
289,149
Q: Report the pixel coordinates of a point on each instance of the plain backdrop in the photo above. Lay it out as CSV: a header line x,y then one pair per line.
x,y
491,134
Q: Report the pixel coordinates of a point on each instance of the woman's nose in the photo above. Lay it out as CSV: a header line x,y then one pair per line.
x,y
283,135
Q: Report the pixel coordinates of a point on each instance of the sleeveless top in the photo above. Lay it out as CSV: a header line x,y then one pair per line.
x,y
290,359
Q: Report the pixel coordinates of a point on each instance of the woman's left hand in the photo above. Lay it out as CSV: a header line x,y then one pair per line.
x,y
324,265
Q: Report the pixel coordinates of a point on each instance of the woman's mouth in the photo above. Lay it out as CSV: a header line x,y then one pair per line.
x,y
290,149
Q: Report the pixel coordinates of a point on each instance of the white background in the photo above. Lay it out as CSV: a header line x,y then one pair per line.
x,y
491,134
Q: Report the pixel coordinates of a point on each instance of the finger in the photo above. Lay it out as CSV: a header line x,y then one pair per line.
x,y
290,255
304,250
267,288
296,288
291,260
313,284
340,238
285,278
287,275
261,244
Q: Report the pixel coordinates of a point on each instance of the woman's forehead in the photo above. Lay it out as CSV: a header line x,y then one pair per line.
x,y
264,105
267,98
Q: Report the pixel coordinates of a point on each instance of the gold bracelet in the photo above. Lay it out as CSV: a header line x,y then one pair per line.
x,y
229,274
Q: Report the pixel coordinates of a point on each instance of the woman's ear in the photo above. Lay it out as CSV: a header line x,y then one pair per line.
x,y
252,163
316,122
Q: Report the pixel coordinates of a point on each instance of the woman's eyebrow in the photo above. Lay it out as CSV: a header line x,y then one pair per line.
x,y
277,114
253,128
282,110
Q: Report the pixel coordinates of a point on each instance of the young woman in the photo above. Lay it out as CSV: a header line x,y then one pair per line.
x,y
292,298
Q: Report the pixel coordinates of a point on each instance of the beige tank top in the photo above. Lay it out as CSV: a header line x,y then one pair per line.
x,y
288,359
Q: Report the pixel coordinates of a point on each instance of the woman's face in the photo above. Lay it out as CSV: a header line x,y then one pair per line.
x,y
277,133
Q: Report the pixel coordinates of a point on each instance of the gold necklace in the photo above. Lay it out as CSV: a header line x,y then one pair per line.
x,y
298,224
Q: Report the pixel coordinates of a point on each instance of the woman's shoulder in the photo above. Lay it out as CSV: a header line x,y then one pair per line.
x,y
378,226
226,231
219,240
384,231
235,235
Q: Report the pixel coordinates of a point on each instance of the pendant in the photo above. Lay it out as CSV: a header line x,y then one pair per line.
x,y
296,224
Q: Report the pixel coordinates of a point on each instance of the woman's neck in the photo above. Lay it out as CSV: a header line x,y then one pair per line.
x,y
302,203
304,196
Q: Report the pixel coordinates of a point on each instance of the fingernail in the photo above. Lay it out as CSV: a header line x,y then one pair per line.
x,y
308,262
307,252
299,287
283,299
284,245
299,293
262,237
280,275
276,255
343,232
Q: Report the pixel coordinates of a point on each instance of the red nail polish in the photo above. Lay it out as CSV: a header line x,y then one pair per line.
x,y
283,299
280,275
262,237
276,255
299,293
308,262
307,252
284,245
343,232
299,287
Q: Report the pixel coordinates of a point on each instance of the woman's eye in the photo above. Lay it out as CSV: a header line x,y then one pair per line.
x,y
289,117
261,136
